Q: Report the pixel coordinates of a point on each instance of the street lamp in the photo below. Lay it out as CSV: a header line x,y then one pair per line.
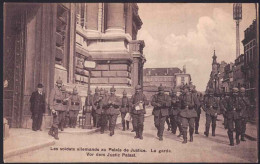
x,y
89,65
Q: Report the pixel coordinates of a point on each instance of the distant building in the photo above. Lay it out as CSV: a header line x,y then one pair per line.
x,y
228,77
239,79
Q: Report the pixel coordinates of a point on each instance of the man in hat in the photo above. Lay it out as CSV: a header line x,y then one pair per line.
x,y
95,100
188,113
113,104
56,107
75,106
212,109
65,109
37,108
124,110
161,103
138,102
245,107
174,112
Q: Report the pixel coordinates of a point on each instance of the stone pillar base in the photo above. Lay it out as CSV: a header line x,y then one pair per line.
x,y
115,31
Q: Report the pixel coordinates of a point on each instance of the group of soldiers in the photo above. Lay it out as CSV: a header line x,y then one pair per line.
x,y
64,107
180,109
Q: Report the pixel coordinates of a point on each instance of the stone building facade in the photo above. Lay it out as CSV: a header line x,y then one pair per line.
x,y
44,42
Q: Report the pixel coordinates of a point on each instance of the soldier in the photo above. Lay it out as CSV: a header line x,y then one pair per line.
x,y
211,107
75,107
56,107
174,112
231,105
197,107
188,113
95,99
161,103
113,104
138,102
37,107
124,110
222,107
101,111
65,104
98,107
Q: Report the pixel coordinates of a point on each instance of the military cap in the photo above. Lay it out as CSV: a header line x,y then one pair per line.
x,y
59,81
63,88
124,92
39,85
112,89
160,88
96,90
138,87
242,89
235,90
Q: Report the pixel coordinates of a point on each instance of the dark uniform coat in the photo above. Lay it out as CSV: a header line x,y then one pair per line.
x,y
161,103
113,109
187,105
75,102
135,99
37,103
211,105
175,106
125,105
56,99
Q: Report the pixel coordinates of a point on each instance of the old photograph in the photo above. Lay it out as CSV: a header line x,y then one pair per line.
x,y
130,82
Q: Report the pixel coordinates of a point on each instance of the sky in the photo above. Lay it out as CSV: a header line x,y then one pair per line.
x,y
177,34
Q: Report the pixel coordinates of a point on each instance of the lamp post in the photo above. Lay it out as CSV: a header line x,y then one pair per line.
x,y
89,65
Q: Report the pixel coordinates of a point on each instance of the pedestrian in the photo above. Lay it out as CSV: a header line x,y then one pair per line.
x,y
37,107
174,112
188,113
113,104
138,102
75,106
95,99
245,107
212,109
56,107
65,108
161,103
124,110
231,107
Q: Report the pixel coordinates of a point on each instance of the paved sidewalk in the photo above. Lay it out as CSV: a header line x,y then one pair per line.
x,y
25,140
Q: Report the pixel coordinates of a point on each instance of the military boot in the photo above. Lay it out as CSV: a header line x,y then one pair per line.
x,y
184,137
137,133
213,130
231,139
206,133
127,125
62,125
123,124
191,136
243,137
51,131
237,139
56,133
141,133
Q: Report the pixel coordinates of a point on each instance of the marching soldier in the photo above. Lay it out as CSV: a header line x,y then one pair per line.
x,y
113,104
211,107
245,106
231,106
188,113
75,107
197,107
222,102
99,108
95,100
101,111
37,107
174,112
56,107
65,104
124,110
138,102
161,103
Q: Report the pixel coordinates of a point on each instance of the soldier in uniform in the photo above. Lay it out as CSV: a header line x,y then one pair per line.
x,y
197,107
56,107
101,111
37,107
161,103
75,107
245,106
174,112
188,113
211,108
63,115
113,104
95,99
138,102
124,110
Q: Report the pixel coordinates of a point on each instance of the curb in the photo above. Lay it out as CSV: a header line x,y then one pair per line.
x,y
250,137
93,130
27,149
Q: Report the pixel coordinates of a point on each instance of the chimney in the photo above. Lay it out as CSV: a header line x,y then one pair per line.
x,y
184,69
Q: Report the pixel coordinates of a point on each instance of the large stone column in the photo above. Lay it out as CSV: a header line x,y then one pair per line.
x,y
135,71
92,16
129,19
115,17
